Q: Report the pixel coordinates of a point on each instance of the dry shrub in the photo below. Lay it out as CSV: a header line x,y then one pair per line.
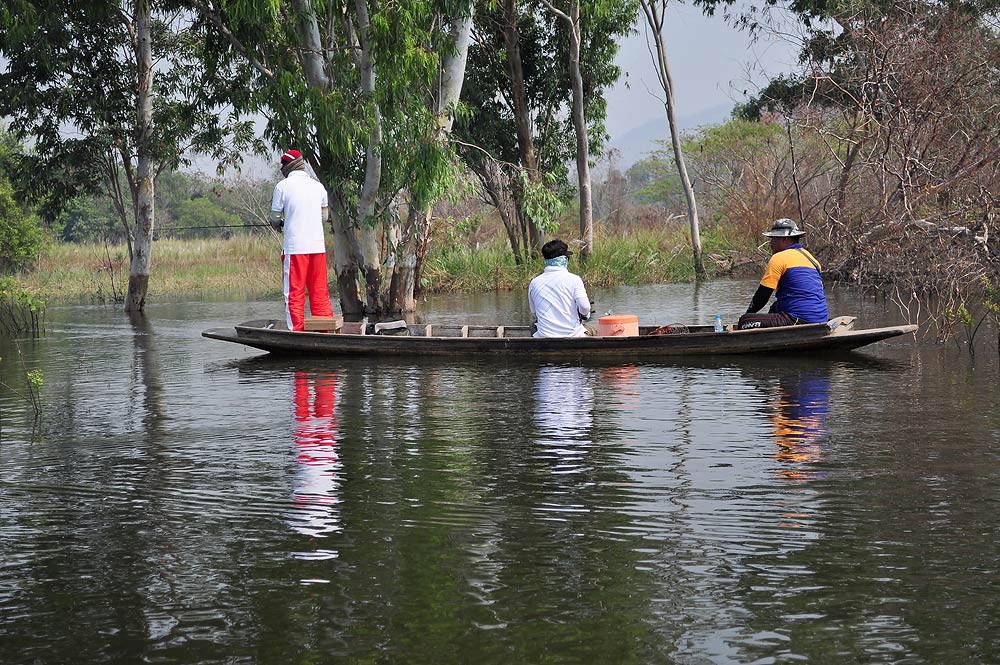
x,y
888,154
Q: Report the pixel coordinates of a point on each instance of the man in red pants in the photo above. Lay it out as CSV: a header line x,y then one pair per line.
x,y
300,205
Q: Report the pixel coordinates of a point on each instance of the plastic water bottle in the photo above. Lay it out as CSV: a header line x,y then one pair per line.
x,y
718,323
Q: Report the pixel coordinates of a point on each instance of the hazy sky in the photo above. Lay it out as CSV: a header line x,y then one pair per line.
x,y
712,65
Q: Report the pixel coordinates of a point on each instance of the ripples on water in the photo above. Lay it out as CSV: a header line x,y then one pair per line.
x,y
192,501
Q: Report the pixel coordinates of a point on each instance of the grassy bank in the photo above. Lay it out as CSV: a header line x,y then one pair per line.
x,y
73,273
248,266
650,256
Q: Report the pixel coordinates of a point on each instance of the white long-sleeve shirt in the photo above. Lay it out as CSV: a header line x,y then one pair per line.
x,y
301,199
558,299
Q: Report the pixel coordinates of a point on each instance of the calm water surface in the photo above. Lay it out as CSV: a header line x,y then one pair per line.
x,y
190,501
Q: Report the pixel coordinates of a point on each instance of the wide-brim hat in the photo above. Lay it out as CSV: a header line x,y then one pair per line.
x,y
784,228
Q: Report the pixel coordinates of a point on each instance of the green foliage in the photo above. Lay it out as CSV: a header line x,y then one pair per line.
x,y
542,42
333,121
959,314
71,86
19,310
991,298
780,95
991,303
90,219
655,177
35,379
184,200
21,239
202,217
541,203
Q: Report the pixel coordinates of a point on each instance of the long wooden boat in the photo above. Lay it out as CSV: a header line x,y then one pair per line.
x,y
420,340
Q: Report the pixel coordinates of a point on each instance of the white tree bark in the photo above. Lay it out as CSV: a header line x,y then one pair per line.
x,y
311,55
138,278
371,245
402,289
654,11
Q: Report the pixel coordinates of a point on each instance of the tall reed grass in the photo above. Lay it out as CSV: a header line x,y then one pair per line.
x,y
642,256
72,273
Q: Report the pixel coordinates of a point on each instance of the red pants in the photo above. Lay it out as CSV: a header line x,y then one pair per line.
x,y
305,272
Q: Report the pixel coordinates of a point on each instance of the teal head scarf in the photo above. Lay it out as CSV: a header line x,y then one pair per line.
x,y
557,262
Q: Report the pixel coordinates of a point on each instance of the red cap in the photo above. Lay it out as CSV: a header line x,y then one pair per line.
x,y
290,155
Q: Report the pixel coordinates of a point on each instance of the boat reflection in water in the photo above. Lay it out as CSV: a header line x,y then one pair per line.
x,y
799,422
318,467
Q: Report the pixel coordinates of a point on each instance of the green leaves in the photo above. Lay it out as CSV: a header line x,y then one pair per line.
x,y
541,203
72,85
21,239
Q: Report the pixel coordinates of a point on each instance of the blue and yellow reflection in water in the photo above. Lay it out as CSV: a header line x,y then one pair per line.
x,y
318,467
799,423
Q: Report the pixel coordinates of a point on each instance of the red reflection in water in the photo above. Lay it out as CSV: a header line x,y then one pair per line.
x,y
623,382
317,474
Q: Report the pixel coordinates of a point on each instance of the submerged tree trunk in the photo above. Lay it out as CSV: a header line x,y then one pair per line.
x,y
138,278
402,285
345,253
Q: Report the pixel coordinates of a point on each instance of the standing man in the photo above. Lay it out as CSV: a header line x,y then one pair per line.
x,y
557,297
300,206
793,274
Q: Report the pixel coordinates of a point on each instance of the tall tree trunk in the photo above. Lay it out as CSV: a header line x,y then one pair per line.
x,y
572,21
345,252
311,54
371,244
403,283
349,253
138,277
655,11
401,286
582,142
522,114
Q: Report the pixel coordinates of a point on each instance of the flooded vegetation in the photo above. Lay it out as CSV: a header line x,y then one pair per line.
x,y
184,500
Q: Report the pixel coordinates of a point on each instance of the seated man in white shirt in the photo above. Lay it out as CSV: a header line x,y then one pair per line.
x,y
557,297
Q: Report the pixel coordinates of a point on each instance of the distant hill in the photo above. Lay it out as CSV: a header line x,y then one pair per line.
x,y
638,141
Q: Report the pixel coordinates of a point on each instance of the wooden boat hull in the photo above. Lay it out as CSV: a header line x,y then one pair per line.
x,y
701,340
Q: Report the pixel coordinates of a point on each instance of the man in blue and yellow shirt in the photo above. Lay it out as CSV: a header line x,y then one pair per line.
x,y
793,275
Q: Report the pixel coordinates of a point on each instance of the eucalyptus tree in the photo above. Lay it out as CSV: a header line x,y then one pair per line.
x,y
362,87
572,13
535,94
443,101
109,91
655,13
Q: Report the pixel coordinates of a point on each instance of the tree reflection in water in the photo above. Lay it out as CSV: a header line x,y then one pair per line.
x,y
318,466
